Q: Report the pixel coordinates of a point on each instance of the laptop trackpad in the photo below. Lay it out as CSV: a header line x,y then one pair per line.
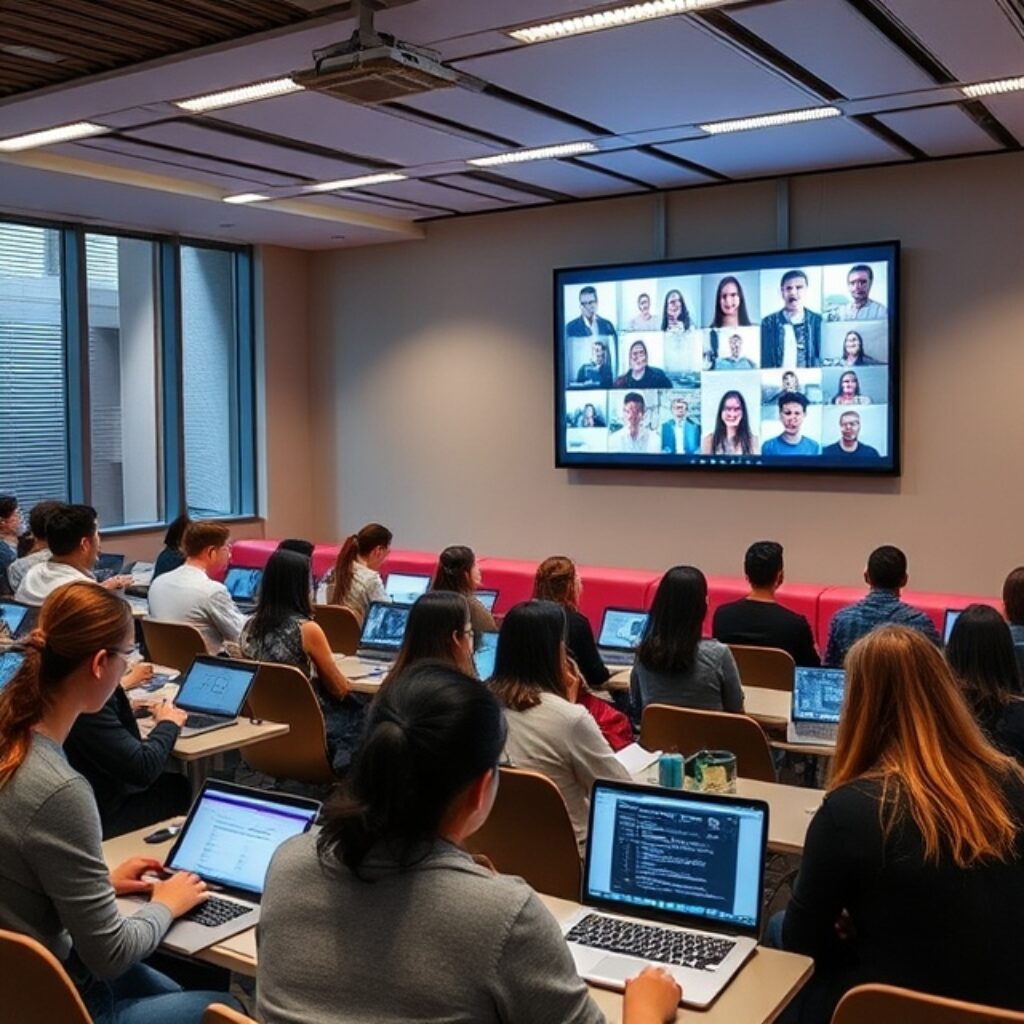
x,y
617,969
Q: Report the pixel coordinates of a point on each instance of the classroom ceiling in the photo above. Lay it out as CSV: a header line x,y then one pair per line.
x,y
638,94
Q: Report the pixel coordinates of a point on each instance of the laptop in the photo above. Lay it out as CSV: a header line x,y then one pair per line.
x,y
621,630
404,587
486,598
213,691
243,585
10,662
485,653
383,630
228,839
674,878
817,704
952,614
107,565
16,620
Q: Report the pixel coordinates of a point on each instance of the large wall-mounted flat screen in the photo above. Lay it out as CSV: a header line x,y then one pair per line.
x,y
772,361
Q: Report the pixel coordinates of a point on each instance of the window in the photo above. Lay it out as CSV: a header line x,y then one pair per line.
x,y
126,374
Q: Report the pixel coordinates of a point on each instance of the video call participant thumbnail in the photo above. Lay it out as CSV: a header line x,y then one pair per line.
x,y
598,372
792,336
588,323
680,435
792,411
861,306
732,434
735,360
640,373
848,446
645,320
634,437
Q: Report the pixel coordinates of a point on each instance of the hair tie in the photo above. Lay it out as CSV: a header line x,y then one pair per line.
x,y
36,640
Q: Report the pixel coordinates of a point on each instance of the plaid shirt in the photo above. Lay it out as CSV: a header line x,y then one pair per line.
x,y
879,608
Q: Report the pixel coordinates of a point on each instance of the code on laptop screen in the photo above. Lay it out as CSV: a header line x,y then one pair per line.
x,y
818,694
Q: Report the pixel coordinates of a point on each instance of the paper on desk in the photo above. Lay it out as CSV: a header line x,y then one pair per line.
x,y
244,944
635,758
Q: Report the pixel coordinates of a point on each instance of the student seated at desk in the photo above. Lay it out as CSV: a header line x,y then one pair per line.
x,y
457,571
172,554
385,917
548,731
913,868
355,579
438,630
54,884
981,654
673,664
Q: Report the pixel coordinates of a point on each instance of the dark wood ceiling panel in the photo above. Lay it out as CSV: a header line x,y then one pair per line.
x,y
43,42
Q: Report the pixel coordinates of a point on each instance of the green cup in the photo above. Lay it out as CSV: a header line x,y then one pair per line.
x,y
714,771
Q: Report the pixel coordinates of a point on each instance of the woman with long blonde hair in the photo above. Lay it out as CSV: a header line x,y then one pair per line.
x,y
913,868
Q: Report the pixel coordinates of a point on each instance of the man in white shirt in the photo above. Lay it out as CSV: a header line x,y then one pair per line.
x,y
38,552
861,306
634,435
74,542
187,594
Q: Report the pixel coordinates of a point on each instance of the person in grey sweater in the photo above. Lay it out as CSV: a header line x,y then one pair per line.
x,y
386,917
673,664
54,884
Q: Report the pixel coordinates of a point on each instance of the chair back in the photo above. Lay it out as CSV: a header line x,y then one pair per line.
x,y
174,644
886,1004
281,693
34,987
767,667
218,1013
529,833
341,626
685,730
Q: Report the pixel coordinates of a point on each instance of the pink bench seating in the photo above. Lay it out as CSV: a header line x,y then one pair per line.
x,y
418,563
512,578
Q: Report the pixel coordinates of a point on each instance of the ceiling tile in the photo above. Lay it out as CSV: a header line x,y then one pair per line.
x,y
1009,110
650,169
940,131
565,177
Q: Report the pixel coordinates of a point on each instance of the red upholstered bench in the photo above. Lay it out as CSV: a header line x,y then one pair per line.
x,y
418,563
324,557
252,554
605,587
512,578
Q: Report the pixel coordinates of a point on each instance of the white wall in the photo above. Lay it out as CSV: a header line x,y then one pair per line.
x,y
432,393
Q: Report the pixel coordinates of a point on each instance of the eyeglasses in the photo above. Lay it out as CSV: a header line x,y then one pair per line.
x,y
127,653
469,631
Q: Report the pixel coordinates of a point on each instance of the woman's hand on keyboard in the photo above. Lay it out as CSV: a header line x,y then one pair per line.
x,y
167,712
180,893
652,997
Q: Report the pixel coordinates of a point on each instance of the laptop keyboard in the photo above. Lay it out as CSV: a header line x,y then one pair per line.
x,y
197,721
816,730
215,911
649,942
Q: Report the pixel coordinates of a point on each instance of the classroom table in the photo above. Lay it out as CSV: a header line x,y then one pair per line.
x,y
365,676
761,989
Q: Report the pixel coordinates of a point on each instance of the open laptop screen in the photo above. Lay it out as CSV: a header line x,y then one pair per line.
x,y
10,662
12,619
818,694
622,628
486,598
405,587
216,686
952,614
673,853
242,583
384,626
232,833
485,653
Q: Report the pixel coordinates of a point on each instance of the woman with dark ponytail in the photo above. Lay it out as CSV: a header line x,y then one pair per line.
x,y
386,916
54,884
458,572
355,579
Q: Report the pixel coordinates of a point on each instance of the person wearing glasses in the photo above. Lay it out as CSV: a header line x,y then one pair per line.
x,y
588,324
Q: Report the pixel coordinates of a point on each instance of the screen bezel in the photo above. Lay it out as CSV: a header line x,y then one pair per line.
x,y
209,659
887,250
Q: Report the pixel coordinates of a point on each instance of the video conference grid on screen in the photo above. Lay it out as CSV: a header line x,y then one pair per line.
x,y
782,360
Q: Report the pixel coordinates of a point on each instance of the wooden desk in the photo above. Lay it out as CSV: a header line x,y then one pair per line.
x,y
763,987
365,676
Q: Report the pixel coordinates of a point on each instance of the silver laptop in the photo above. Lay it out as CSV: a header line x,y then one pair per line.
x,y
405,587
243,585
673,878
952,614
228,839
621,630
486,598
16,620
383,630
817,704
485,653
213,692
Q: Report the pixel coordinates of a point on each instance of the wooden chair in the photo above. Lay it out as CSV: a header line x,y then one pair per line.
x,y
341,625
886,1004
34,987
281,693
686,731
529,833
174,644
218,1013
767,667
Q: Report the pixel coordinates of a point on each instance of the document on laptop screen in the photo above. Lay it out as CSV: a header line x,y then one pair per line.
x,y
214,687
622,628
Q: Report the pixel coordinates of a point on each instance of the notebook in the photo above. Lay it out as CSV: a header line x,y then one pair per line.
x,y
383,630
485,653
228,839
10,662
621,630
213,692
486,598
243,584
817,703
952,614
16,620
404,588
673,878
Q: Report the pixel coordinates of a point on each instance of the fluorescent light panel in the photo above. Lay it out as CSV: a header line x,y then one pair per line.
x,y
366,179
47,137
999,85
243,94
611,18
745,124
246,197
543,153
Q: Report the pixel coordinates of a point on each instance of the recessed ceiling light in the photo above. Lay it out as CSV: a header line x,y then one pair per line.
x,y
745,124
543,153
246,197
972,92
243,94
610,18
366,179
63,133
